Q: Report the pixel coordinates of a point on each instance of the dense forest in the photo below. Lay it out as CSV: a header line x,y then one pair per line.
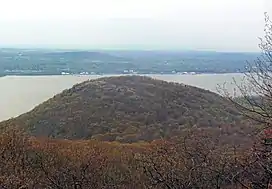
x,y
140,133
198,159
127,109
134,132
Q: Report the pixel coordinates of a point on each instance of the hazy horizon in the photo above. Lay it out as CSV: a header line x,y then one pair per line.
x,y
70,49
210,25
75,49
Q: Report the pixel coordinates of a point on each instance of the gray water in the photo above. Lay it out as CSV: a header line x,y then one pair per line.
x,y
20,94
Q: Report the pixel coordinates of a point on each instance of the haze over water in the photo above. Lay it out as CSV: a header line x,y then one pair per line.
x,y
20,94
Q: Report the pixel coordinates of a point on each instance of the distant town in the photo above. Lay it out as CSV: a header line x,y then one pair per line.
x,y
56,62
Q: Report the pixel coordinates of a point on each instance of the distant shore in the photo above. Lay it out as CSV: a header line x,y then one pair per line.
x,y
122,74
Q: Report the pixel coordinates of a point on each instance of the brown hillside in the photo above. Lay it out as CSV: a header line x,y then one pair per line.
x,y
126,109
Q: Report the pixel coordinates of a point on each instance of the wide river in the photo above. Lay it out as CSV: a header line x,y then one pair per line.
x,y
20,94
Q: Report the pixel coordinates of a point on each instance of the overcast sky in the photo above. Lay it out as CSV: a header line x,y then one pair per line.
x,y
222,25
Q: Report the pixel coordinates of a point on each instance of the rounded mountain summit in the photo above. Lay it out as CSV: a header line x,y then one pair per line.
x,y
126,109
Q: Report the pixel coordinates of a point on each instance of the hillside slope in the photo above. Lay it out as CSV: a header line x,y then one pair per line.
x,y
126,109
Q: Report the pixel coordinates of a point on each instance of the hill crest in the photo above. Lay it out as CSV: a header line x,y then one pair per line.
x,y
126,109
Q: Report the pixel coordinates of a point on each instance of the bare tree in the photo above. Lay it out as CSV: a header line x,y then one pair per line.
x,y
255,98
255,102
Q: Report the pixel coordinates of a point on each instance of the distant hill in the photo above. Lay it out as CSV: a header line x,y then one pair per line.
x,y
126,109
56,61
70,55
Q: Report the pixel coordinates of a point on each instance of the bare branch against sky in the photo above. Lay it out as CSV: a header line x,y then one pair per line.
x,y
223,25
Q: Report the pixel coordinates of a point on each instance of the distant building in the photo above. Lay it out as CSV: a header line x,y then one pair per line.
x,y
84,73
65,73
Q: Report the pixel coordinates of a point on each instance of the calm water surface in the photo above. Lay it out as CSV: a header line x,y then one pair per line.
x,y
20,94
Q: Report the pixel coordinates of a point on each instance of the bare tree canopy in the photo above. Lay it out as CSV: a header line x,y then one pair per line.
x,y
255,99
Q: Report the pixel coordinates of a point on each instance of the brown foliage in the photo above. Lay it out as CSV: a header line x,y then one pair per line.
x,y
196,160
42,163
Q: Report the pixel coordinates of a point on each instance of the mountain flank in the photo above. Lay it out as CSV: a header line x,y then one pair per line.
x,y
126,109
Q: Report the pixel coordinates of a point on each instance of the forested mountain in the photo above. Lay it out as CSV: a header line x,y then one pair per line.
x,y
135,132
127,109
202,141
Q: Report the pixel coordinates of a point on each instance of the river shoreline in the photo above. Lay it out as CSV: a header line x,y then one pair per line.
x,y
121,74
